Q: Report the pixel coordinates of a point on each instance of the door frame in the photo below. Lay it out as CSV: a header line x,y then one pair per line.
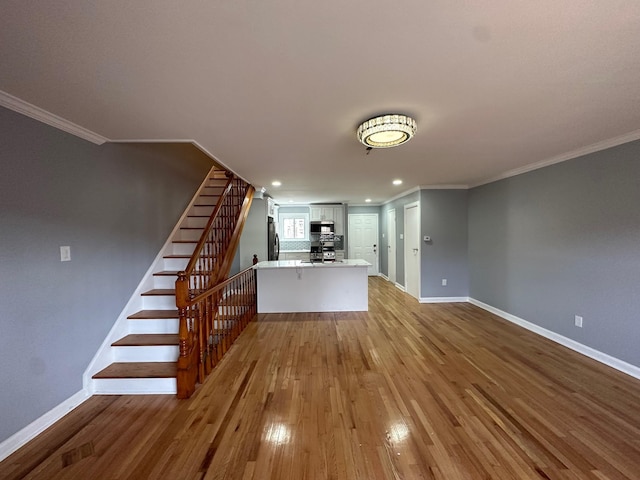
x,y
391,239
377,236
406,248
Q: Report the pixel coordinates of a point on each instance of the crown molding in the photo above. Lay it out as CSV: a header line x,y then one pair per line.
x,y
580,152
400,195
25,108
444,187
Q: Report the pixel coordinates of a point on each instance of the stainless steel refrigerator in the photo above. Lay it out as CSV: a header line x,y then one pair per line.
x,y
273,242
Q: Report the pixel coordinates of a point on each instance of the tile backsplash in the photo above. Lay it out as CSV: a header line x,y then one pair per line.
x,y
306,245
295,245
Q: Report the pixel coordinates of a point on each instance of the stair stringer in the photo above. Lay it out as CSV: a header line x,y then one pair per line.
x,y
105,355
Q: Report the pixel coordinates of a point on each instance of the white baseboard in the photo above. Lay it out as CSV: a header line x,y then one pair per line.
x,y
39,425
397,285
443,299
601,357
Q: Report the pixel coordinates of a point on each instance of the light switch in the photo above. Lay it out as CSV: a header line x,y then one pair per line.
x,y
65,254
401,236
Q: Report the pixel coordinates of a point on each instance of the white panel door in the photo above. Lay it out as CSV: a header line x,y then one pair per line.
x,y
363,239
391,245
412,249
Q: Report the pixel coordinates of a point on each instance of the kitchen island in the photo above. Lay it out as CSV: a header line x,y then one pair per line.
x,y
302,286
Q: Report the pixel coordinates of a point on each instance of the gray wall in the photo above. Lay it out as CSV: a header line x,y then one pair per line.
x,y
564,241
115,205
254,235
443,217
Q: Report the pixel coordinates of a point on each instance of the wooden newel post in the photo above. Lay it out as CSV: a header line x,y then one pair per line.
x,y
185,377
182,300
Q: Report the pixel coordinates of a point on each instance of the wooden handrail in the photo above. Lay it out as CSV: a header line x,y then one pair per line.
x,y
201,289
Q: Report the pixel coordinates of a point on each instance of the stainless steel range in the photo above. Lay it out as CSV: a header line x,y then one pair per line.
x,y
322,235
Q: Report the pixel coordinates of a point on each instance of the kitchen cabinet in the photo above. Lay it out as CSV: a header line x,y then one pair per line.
x,y
294,255
272,208
294,286
338,220
333,213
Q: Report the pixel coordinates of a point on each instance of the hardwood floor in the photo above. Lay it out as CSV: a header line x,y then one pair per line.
x,y
404,391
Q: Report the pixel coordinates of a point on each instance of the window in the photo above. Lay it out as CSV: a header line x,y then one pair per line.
x,y
294,226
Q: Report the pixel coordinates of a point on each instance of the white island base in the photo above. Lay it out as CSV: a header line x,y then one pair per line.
x,y
295,286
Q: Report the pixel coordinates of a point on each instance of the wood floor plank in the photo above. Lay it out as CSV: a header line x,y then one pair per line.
x,y
404,391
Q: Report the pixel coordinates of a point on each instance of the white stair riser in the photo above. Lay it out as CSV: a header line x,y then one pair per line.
x,y
201,211
214,188
189,234
164,325
182,248
164,281
156,353
175,264
133,386
158,302
195,222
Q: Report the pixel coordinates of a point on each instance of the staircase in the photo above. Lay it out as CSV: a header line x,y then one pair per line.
x,y
142,349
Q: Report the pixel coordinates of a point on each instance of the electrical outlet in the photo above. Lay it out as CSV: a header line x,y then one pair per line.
x,y
578,321
444,282
65,254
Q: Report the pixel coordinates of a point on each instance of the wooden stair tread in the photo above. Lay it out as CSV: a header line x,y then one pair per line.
x,y
184,241
167,273
147,339
154,314
159,291
139,370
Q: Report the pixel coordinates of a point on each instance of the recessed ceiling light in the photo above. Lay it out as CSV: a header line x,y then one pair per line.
x,y
276,183
368,200
397,182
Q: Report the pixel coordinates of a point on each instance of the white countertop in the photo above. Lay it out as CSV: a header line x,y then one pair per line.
x,y
351,262
302,251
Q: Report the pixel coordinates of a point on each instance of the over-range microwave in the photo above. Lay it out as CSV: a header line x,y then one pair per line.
x,y
321,226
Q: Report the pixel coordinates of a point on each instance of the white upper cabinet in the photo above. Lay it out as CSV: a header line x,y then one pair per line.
x,y
334,213
272,209
315,213
338,220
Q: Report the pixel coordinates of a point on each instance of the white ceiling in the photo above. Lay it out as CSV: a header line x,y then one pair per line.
x,y
276,89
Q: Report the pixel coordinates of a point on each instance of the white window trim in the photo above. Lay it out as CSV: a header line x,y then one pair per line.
x,y
284,215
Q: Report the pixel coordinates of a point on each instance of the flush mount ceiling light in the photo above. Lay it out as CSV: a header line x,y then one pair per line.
x,y
387,131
